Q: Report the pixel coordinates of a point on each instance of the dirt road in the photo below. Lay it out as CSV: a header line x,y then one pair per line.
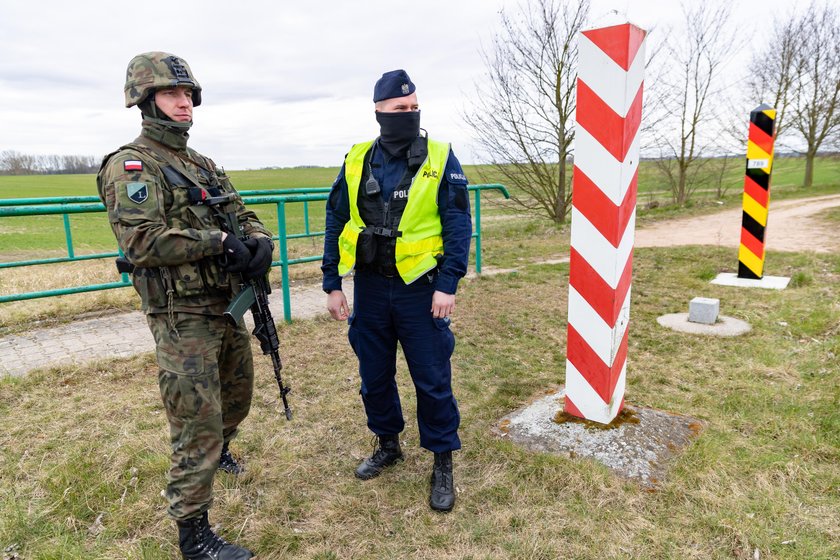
x,y
791,226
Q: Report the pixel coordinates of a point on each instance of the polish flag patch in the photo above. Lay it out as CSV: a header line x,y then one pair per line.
x,y
133,165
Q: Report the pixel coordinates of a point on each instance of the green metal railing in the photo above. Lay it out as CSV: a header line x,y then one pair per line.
x,y
65,206
82,204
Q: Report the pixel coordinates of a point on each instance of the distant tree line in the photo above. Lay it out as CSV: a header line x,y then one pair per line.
x,y
16,163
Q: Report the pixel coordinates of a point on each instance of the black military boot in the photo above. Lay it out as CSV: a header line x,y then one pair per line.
x,y
228,464
386,454
198,542
442,496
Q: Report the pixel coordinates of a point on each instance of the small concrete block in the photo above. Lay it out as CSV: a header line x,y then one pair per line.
x,y
703,310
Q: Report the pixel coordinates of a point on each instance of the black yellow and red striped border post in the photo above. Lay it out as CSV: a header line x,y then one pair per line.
x,y
756,191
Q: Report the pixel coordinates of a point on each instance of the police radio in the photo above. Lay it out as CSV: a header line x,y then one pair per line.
x,y
371,185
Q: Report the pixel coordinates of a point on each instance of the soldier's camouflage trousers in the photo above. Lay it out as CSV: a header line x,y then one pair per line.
x,y
206,380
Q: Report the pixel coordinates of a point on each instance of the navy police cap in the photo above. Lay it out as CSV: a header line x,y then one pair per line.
x,y
395,83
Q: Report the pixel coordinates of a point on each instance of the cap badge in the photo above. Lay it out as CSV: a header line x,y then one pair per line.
x,y
404,89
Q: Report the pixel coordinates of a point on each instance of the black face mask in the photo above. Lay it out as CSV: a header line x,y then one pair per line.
x,y
398,130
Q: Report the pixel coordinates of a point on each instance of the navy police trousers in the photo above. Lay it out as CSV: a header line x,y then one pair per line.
x,y
385,311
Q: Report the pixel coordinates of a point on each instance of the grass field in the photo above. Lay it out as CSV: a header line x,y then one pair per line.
x,y
83,450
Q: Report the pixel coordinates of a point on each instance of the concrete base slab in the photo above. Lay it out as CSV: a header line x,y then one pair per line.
x,y
637,445
768,282
725,326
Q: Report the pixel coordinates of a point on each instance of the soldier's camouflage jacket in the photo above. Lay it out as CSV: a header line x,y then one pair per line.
x,y
146,189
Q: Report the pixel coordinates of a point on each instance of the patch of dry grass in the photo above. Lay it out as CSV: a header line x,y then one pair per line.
x,y
22,315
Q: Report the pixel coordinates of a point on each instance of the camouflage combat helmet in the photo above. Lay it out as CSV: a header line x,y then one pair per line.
x,y
152,70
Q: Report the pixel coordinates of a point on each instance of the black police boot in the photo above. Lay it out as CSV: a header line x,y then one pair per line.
x,y
228,464
386,454
197,541
442,496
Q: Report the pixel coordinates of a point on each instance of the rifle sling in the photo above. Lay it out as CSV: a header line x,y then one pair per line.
x,y
170,158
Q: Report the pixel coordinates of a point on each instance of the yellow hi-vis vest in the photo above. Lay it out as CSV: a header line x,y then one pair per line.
x,y
421,238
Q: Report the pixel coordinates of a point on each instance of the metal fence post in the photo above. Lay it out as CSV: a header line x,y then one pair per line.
x,y
284,260
68,235
478,231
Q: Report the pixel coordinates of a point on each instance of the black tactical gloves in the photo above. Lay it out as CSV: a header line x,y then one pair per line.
x,y
236,254
252,257
261,249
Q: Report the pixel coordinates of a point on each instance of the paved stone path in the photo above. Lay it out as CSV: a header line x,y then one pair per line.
x,y
123,334
126,334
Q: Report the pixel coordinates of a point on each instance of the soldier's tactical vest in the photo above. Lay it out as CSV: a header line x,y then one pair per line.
x,y
201,281
405,231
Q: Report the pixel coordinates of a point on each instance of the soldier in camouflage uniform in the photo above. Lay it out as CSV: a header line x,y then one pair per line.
x,y
153,189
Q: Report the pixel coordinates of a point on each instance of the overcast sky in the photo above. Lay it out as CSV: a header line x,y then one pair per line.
x,y
284,83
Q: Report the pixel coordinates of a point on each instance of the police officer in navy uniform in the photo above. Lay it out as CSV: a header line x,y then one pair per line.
x,y
399,214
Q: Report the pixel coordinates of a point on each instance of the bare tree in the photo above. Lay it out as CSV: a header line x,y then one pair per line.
x,y
16,163
686,96
768,79
772,71
718,172
815,104
524,118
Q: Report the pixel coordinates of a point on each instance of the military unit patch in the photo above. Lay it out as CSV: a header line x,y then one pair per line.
x,y
137,192
133,165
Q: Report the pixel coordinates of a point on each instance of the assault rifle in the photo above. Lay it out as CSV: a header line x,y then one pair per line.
x,y
253,294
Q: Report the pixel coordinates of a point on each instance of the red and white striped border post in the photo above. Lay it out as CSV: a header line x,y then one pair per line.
x,y
609,111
